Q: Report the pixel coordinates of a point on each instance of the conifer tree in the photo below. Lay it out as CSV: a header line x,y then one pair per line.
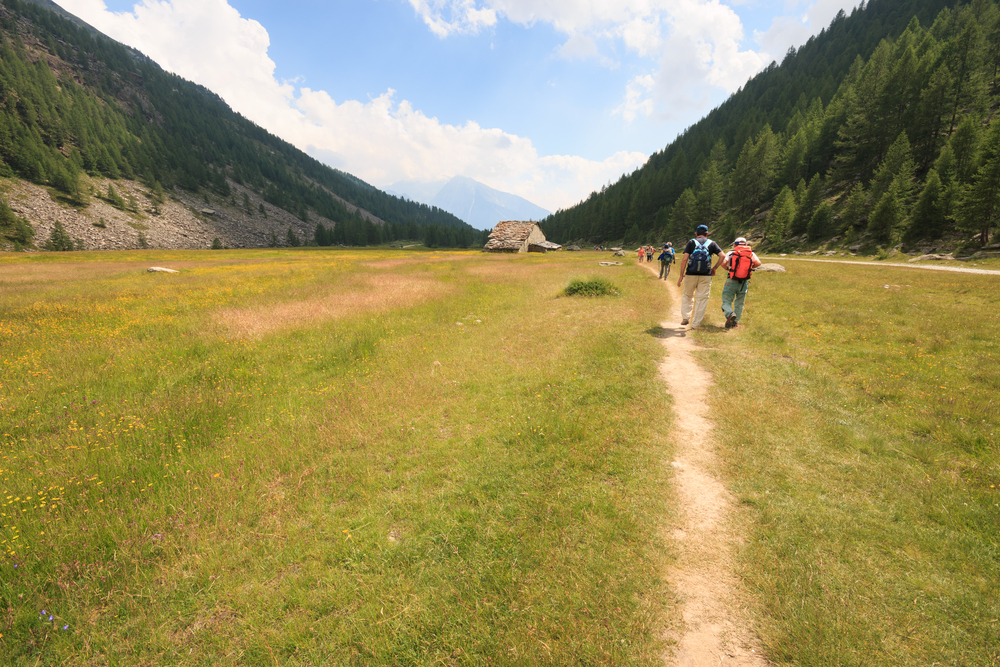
x,y
820,225
964,55
886,217
928,219
793,159
753,174
853,211
781,216
14,228
59,239
964,144
928,120
980,208
710,195
897,165
683,215
806,205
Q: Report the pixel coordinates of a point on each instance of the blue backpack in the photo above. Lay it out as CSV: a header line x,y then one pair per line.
x,y
700,260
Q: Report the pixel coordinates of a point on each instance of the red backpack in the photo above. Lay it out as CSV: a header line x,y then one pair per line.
x,y
740,262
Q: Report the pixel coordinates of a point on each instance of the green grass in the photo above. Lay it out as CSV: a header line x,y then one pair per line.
x,y
859,412
286,457
322,456
591,287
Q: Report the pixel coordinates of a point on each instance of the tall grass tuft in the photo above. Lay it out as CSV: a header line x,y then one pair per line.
x,y
591,287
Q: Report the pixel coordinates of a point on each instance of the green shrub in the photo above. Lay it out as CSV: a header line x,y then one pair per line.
x,y
59,240
591,287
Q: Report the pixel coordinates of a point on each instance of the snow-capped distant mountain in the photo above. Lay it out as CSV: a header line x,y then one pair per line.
x,y
479,205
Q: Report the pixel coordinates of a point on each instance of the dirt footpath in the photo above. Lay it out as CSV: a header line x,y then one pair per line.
x,y
714,630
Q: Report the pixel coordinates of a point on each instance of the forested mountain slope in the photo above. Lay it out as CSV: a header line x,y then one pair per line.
x,y
77,108
876,132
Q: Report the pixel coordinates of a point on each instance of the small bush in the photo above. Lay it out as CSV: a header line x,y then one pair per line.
x,y
591,287
881,253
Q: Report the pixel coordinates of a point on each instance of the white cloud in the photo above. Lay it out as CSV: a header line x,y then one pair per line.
x,y
422,148
636,100
642,35
380,140
794,30
692,48
446,17
700,53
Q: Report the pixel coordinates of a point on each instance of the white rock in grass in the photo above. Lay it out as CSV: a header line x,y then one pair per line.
x,y
771,268
937,258
160,269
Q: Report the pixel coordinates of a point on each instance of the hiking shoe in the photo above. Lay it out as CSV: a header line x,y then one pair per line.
x,y
684,322
731,321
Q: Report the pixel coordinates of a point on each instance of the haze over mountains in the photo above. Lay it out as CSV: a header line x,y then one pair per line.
x,y
467,199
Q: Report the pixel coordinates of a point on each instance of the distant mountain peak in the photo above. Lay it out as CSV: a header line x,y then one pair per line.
x,y
466,198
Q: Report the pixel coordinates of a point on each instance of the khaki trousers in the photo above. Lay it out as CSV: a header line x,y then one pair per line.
x,y
695,296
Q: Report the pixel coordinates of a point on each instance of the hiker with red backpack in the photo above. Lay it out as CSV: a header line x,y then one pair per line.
x,y
696,265
739,262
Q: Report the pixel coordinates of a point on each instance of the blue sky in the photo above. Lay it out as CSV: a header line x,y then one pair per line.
x,y
548,99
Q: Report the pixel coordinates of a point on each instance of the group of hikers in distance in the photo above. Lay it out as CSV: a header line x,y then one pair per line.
x,y
696,266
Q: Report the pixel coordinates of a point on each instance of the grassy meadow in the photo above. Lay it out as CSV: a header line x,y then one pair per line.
x,y
337,457
320,457
859,411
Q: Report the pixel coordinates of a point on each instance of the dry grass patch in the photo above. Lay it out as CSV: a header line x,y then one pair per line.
x,y
419,260
369,295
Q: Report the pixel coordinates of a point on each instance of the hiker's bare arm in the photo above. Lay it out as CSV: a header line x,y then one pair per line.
x,y
722,259
684,263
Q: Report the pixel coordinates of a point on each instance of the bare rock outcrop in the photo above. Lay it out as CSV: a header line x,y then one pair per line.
x,y
182,221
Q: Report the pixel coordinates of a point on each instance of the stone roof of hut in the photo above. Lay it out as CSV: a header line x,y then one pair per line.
x,y
509,235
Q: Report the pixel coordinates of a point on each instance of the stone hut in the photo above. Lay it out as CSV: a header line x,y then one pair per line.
x,y
516,236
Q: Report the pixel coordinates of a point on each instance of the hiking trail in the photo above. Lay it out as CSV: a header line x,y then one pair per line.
x,y
714,628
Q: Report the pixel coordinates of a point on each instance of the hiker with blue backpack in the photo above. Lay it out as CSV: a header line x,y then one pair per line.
x,y
696,266
740,262
666,259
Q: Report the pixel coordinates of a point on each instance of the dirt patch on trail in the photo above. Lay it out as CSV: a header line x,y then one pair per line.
x,y
715,628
